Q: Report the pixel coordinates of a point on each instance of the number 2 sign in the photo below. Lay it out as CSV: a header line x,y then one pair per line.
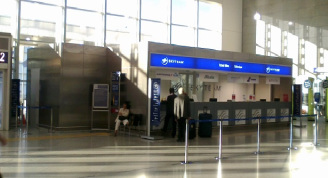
x,y
3,57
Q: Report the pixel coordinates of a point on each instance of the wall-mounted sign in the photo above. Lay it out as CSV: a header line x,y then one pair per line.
x,y
167,75
235,79
181,62
307,84
320,70
155,102
251,79
209,77
297,99
325,84
273,80
3,57
243,79
100,96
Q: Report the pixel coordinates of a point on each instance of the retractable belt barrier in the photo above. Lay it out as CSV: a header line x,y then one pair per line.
x,y
35,107
258,132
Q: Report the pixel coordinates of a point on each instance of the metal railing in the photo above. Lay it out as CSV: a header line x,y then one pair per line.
x,y
34,107
258,132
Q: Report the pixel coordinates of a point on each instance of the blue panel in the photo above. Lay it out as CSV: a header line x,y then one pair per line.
x,y
169,61
155,103
212,64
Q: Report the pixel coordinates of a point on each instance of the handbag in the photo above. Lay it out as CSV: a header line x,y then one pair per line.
x,y
122,118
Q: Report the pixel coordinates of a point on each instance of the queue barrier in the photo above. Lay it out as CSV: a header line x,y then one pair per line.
x,y
258,132
35,107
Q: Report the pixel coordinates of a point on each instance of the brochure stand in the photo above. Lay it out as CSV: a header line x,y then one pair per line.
x,y
100,103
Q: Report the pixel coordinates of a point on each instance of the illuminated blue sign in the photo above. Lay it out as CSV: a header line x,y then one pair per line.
x,y
180,62
307,84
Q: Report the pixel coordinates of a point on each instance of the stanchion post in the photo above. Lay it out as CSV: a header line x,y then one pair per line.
x,y
186,143
16,115
291,135
51,120
220,141
258,136
316,131
26,119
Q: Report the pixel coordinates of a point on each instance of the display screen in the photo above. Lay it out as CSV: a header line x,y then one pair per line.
x,y
181,62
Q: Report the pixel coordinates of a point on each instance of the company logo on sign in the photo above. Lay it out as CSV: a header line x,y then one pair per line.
x,y
209,77
307,84
269,69
166,61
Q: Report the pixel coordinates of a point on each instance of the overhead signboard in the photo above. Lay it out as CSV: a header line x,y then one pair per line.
x,y
273,80
167,75
209,77
320,70
181,62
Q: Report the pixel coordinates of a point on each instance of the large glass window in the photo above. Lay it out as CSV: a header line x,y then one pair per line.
x,y
8,15
210,15
184,12
210,25
157,10
54,2
127,8
260,33
40,23
275,41
184,36
310,56
152,31
292,47
121,29
86,30
209,39
93,5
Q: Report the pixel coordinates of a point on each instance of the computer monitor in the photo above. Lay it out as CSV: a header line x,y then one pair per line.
x,y
276,99
213,100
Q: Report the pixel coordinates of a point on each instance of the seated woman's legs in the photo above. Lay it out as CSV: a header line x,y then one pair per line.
x,y
117,125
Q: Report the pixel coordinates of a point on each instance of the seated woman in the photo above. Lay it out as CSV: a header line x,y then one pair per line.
x,y
122,117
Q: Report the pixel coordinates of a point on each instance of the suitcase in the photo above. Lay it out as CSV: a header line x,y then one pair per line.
x,y
192,130
205,128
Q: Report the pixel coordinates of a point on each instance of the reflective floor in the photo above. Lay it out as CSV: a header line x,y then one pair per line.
x,y
37,153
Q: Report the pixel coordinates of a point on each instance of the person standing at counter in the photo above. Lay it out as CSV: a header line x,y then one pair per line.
x,y
170,113
182,112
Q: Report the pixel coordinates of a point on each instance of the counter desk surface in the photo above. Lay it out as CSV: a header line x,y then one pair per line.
x,y
243,110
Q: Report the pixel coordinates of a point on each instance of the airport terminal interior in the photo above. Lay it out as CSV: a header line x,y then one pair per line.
x,y
258,66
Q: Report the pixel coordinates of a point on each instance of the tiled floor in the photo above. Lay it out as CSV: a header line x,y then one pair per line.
x,y
37,153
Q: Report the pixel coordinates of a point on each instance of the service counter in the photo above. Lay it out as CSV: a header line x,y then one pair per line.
x,y
240,110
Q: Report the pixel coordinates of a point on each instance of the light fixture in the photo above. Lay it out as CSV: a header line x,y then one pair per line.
x,y
290,23
257,16
27,39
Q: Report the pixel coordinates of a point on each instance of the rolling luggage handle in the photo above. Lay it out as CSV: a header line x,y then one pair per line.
x,y
205,109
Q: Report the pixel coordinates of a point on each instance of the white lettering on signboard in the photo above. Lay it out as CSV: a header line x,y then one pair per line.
x,y
273,80
209,77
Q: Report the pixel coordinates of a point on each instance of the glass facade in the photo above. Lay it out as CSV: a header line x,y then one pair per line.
x,y
32,23
305,45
